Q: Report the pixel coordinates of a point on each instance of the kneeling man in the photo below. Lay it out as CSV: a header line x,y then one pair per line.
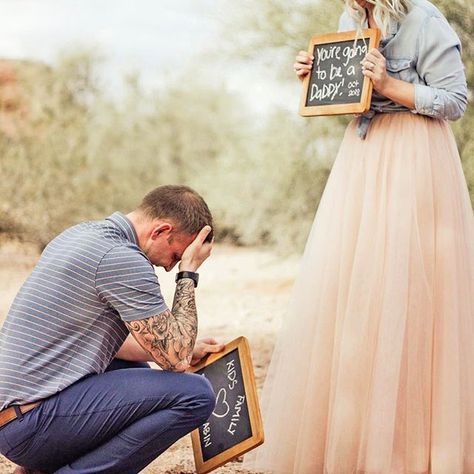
x,y
76,393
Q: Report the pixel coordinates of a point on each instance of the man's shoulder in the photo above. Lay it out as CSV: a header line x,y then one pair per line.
x,y
94,250
92,239
125,253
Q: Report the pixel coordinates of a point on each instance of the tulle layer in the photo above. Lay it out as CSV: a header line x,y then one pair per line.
x,y
373,372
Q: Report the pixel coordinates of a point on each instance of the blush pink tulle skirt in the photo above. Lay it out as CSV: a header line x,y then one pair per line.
x,y
373,371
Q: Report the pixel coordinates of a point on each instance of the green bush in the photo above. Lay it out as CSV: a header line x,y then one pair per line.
x,y
78,155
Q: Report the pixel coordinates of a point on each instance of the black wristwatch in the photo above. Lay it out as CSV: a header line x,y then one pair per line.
x,y
193,275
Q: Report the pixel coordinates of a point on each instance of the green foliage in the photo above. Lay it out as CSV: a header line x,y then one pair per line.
x,y
42,165
460,14
273,31
272,197
75,154
80,156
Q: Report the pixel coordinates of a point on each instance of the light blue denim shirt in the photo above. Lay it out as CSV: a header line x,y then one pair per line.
x,y
424,50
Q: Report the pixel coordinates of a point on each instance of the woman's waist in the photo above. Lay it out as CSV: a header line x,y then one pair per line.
x,y
380,105
387,116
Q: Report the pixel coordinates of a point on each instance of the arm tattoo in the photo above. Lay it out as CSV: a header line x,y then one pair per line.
x,y
170,336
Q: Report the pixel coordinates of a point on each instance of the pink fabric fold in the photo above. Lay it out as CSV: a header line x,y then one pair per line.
x,y
373,371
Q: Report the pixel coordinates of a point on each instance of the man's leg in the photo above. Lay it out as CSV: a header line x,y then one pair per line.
x,y
116,422
117,364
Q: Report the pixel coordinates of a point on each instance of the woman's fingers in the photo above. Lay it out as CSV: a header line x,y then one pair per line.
x,y
304,57
376,53
374,66
303,64
374,59
304,67
301,73
368,65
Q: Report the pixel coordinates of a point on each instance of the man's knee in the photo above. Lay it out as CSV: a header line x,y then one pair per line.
x,y
204,399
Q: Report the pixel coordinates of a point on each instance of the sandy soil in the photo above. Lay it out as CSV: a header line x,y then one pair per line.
x,y
241,292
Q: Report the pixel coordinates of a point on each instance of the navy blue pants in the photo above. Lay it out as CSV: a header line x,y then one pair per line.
x,y
115,422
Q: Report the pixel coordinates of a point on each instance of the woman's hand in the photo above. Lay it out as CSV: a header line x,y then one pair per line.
x,y
303,64
374,66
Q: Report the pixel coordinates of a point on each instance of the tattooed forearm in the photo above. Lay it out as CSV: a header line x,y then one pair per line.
x,y
169,337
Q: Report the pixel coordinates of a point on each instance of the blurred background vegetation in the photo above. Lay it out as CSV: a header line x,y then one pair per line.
x,y
68,152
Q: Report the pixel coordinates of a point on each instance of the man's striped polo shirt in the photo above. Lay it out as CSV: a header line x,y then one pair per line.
x,y
67,320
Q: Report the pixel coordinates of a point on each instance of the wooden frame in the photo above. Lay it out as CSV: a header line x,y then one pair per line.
x,y
257,438
373,37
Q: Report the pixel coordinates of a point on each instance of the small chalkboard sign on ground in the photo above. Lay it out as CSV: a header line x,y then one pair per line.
x,y
235,425
336,84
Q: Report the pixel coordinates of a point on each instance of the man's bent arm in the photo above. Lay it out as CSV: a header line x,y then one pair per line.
x,y
132,351
169,337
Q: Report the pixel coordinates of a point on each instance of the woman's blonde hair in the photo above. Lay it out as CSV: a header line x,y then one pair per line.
x,y
384,10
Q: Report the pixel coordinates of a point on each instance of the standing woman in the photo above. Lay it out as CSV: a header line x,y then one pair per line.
x,y
373,372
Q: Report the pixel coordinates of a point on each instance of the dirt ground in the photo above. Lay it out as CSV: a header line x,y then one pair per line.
x,y
242,292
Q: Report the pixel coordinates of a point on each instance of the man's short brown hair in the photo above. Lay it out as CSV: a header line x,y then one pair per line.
x,y
184,206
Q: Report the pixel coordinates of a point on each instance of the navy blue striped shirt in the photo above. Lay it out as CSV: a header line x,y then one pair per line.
x,y
67,320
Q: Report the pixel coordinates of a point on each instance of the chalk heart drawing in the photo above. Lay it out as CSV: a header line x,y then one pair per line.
x,y
222,407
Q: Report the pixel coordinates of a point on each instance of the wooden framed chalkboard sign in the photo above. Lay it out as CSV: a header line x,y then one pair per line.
x,y
235,425
336,84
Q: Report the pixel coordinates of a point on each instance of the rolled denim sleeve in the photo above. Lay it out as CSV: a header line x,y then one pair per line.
x,y
444,94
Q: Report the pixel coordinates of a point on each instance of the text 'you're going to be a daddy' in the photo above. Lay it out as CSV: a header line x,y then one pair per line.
x,y
336,84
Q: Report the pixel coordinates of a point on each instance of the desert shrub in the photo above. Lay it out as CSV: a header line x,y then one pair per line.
x,y
68,152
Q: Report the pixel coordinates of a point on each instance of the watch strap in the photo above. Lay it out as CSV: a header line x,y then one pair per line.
x,y
193,275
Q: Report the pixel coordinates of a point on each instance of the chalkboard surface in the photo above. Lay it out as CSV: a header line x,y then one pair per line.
x,y
235,426
336,84
229,423
336,77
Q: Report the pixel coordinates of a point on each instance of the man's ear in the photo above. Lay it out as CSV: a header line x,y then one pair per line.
x,y
161,228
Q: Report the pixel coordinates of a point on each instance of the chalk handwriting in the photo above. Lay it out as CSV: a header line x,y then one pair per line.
x,y
231,374
206,430
331,52
326,90
236,415
222,407
335,73
350,52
